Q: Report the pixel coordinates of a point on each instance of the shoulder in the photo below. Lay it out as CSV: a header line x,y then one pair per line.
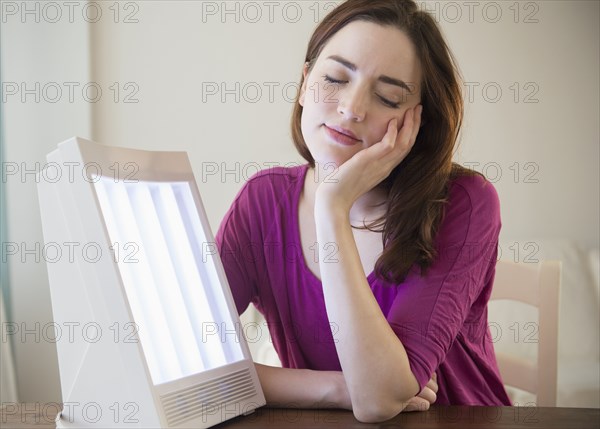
x,y
269,189
471,213
272,181
265,196
278,175
473,194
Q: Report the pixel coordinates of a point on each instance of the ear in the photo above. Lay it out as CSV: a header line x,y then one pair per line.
x,y
303,87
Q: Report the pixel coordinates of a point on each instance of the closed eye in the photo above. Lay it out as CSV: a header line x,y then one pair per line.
x,y
389,102
332,80
384,100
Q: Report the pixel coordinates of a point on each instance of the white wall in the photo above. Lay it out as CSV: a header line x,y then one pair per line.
x,y
51,54
174,51
558,58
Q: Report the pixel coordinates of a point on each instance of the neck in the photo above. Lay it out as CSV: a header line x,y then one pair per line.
x,y
363,209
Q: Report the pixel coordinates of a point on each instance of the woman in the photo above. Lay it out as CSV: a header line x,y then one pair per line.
x,y
373,264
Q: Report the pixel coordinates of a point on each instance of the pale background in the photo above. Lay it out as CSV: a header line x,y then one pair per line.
x,y
539,145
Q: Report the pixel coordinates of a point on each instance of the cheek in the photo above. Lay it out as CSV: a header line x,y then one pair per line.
x,y
315,111
309,122
378,130
303,121
321,95
380,125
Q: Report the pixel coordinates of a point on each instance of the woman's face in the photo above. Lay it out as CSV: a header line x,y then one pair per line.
x,y
365,76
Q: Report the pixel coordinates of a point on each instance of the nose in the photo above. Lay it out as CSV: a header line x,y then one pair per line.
x,y
352,104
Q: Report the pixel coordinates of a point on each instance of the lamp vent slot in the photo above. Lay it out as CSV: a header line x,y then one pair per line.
x,y
207,397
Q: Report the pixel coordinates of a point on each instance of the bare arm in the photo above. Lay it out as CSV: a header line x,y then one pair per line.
x,y
303,388
374,361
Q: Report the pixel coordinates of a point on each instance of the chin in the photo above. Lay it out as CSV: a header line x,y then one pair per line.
x,y
328,161
326,153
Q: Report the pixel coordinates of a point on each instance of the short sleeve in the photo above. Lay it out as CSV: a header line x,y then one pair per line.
x,y
235,240
431,309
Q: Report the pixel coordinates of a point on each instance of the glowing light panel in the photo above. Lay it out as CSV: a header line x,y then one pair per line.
x,y
169,277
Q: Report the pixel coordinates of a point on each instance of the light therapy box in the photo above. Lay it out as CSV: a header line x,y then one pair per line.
x,y
163,345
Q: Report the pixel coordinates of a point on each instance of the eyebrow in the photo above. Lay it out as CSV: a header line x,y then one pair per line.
x,y
382,78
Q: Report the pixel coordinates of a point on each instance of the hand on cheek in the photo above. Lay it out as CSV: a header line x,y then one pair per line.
x,y
403,136
370,166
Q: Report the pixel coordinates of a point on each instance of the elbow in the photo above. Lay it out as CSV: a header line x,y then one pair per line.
x,y
384,401
377,411
374,414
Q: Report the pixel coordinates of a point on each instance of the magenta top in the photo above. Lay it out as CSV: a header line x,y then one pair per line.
x,y
440,318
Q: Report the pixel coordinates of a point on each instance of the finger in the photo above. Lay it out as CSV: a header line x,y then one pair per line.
x,y
392,133
432,384
428,394
417,404
416,123
407,128
401,145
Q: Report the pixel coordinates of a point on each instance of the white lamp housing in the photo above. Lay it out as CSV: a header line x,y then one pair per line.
x,y
155,339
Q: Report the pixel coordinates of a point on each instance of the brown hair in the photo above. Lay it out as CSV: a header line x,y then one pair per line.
x,y
417,188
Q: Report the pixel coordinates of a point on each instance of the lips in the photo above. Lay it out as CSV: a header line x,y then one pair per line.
x,y
341,135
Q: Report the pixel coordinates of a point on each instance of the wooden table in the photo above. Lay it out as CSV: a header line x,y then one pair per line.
x,y
458,417
40,416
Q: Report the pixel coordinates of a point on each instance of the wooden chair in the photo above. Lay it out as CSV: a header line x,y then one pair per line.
x,y
536,284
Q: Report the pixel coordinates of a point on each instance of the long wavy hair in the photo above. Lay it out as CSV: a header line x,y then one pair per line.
x,y
417,188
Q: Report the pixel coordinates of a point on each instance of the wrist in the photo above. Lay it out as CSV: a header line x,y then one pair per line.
x,y
337,393
329,207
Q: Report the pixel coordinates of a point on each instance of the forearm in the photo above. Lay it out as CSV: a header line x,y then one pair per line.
x,y
373,360
303,388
